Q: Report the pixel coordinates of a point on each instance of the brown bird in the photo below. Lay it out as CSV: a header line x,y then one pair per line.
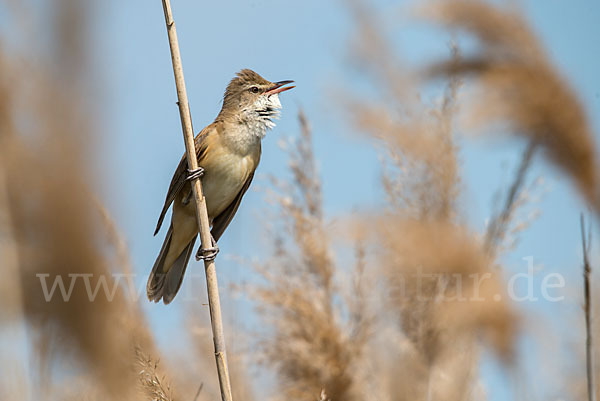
x,y
228,152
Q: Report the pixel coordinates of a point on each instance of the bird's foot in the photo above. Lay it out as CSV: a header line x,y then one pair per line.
x,y
208,253
193,174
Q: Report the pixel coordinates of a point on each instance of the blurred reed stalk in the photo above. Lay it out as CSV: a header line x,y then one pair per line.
x,y
499,224
587,270
201,212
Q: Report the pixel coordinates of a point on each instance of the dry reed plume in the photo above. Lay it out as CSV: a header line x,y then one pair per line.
x,y
155,386
53,222
437,278
312,348
330,331
429,261
518,85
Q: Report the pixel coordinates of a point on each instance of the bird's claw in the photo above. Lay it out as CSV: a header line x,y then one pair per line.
x,y
207,253
193,174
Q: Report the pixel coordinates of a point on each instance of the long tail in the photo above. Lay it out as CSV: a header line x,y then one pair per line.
x,y
165,285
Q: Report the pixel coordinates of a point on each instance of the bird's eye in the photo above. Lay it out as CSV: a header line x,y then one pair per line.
x,y
254,89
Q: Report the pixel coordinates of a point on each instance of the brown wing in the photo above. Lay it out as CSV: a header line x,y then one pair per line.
x,y
221,222
179,177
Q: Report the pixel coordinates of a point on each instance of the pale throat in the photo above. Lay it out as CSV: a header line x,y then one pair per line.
x,y
252,123
259,117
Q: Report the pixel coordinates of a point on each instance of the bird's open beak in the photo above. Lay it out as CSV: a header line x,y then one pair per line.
x,y
279,87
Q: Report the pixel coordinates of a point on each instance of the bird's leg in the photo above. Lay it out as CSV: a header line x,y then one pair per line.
x,y
193,174
208,253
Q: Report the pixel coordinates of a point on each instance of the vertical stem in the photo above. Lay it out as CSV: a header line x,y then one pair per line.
x,y
429,384
497,228
201,212
587,309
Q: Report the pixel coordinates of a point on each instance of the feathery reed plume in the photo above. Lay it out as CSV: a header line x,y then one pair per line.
x,y
442,284
421,170
75,310
519,86
438,278
155,387
311,346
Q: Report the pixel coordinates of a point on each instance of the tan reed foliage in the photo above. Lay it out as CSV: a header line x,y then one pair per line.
x,y
519,86
47,142
155,386
421,173
311,346
321,339
439,280
434,265
442,283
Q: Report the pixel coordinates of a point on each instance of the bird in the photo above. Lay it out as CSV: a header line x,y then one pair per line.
x,y
228,152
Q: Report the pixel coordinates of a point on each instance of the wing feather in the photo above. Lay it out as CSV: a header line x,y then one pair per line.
x,y
179,177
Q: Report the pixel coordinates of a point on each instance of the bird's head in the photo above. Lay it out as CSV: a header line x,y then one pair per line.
x,y
251,98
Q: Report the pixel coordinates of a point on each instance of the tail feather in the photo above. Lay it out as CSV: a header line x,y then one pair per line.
x,y
163,285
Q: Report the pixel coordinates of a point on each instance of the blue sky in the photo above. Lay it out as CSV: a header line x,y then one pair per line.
x,y
308,42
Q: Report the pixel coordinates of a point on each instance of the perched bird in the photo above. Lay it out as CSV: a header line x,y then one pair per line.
x,y
228,152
